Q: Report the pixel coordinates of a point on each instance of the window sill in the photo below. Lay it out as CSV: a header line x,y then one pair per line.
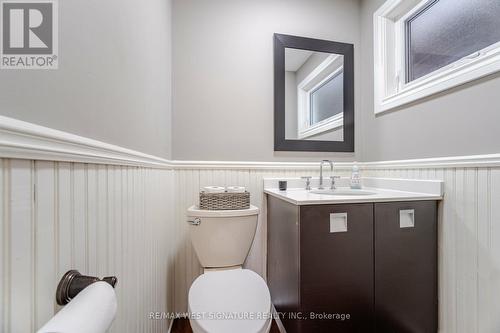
x,y
458,74
329,124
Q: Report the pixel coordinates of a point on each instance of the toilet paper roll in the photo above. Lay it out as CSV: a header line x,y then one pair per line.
x,y
236,189
214,189
91,311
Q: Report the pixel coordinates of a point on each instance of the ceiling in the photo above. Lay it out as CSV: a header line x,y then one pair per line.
x,y
295,58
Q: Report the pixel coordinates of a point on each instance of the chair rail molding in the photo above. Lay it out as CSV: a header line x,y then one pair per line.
x,y
23,140
470,161
253,165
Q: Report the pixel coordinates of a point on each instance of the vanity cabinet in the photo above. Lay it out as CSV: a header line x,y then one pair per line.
x,y
336,268
362,260
406,267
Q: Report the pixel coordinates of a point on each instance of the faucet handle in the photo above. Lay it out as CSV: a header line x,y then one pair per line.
x,y
332,186
308,182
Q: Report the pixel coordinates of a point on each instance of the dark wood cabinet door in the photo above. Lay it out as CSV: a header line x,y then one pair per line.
x,y
283,260
336,268
406,267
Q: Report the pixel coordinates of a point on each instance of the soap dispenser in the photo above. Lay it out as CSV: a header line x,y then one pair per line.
x,y
355,177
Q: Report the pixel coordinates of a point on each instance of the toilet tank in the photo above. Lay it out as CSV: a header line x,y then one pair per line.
x,y
222,238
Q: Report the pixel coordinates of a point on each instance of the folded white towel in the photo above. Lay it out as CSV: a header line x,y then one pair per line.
x,y
236,189
214,189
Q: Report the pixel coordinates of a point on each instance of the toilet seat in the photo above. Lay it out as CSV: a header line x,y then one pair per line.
x,y
229,301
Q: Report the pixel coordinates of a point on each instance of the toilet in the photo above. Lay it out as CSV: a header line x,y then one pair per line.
x,y
226,298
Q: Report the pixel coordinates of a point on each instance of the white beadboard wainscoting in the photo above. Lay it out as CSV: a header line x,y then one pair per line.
x,y
469,244
469,241
99,219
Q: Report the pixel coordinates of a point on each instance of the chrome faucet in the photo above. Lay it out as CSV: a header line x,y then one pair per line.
x,y
332,179
321,172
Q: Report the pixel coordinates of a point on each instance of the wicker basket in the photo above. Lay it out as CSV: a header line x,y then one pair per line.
x,y
224,201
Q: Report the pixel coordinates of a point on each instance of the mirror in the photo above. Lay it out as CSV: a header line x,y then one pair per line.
x,y
314,95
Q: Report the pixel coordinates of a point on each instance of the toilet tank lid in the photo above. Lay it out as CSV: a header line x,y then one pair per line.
x,y
194,211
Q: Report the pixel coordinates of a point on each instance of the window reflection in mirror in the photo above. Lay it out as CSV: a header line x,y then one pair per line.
x,y
314,95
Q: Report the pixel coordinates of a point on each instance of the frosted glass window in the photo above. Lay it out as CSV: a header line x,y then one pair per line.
x,y
445,31
328,99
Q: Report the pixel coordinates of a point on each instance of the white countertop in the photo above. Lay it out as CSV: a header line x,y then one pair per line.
x,y
385,190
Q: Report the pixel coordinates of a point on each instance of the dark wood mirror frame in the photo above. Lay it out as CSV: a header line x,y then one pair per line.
x,y
294,42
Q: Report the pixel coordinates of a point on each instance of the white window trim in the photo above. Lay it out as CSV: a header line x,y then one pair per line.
x,y
328,124
389,65
304,90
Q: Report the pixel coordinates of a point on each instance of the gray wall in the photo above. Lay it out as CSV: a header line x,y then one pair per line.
x,y
223,72
114,78
464,121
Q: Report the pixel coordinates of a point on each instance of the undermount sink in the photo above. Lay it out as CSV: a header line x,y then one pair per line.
x,y
342,192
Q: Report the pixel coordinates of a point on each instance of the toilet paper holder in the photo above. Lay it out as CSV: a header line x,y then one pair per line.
x,y
73,282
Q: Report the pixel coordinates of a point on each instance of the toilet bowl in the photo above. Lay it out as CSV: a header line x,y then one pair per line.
x,y
226,298
228,301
